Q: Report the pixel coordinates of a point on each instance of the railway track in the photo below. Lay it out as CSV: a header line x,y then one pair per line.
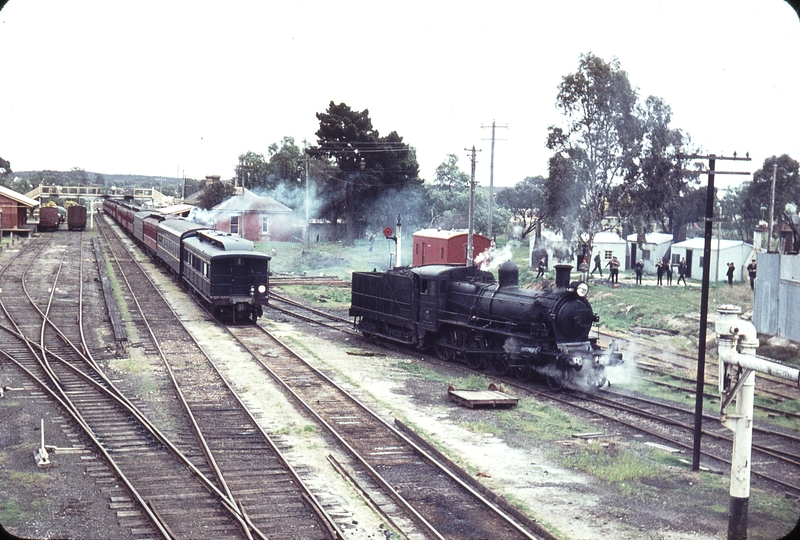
x,y
245,463
653,357
107,421
390,460
422,491
306,313
776,451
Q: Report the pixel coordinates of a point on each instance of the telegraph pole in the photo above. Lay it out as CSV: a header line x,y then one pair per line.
x,y
308,220
701,346
471,206
491,178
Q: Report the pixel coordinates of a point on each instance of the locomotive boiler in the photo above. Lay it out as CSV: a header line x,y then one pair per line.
x,y
465,315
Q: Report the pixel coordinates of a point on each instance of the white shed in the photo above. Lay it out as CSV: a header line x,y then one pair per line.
x,y
608,244
722,252
654,248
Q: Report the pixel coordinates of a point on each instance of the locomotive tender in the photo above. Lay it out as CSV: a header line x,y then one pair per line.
x,y
223,271
464,314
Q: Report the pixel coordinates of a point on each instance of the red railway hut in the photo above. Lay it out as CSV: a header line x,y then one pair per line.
x,y
14,210
433,246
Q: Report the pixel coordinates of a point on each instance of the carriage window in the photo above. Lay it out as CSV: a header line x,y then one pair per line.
x,y
423,286
238,261
205,269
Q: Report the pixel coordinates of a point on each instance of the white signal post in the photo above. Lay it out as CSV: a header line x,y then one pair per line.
x,y
737,341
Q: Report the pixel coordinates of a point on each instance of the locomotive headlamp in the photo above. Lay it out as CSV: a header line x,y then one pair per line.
x,y
582,289
262,289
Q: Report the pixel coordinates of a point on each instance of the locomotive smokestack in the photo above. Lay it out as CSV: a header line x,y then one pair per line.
x,y
562,276
508,274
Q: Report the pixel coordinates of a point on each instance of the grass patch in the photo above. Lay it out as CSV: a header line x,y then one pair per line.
x,y
423,372
609,463
323,296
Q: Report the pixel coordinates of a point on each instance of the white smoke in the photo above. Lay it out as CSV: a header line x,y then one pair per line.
x,y
492,258
202,216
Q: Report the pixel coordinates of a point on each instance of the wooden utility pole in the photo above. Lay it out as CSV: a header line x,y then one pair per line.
x,y
491,179
701,346
470,262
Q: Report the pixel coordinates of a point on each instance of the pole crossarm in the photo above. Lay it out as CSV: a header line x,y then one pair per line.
x,y
715,172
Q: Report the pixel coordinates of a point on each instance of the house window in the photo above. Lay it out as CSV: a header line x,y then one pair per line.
x,y
234,224
645,254
609,254
264,225
442,253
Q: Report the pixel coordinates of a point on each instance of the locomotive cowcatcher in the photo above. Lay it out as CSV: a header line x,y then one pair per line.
x,y
465,315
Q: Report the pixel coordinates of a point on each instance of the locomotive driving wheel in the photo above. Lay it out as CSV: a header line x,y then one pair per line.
x,y
475,350
498,362
523,372
555,380
445,345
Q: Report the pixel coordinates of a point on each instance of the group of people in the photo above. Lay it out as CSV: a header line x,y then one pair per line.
x,y
751,273
662,268
613,264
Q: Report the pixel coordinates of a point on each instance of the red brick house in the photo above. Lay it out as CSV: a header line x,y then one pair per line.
x,y
254,217
15,208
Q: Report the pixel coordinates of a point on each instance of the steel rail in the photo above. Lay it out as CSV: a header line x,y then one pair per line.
x,y
314,504
376,476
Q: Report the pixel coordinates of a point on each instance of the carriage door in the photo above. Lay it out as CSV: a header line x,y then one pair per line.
x,y
240,279
427,303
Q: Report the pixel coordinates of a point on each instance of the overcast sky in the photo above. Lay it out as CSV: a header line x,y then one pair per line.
x,y
170,87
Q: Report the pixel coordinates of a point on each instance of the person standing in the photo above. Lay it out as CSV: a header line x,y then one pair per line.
x,y
597,264
659,271
371,241
638,268
542,268
682,271
731,270
614,265
751,271
668,271
583,268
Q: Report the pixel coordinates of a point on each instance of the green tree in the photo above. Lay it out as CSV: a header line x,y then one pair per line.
x,y
447,197
366,164
653,197
5,167
286,163
525,202
214,194
251,172
750,204
597,147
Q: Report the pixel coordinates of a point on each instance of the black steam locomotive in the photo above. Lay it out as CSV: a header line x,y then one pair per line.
x,y
465,315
